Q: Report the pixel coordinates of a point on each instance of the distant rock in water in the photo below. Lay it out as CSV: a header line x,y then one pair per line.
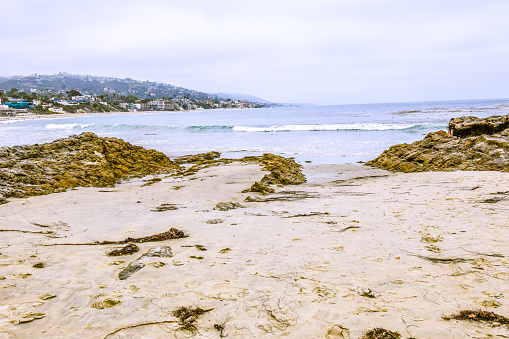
x,y
478,145
82,160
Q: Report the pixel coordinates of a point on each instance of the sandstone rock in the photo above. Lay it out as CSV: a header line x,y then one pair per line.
x,y
283,171
225,206
138,264
82,160
189,159
471,126
438,152
215,221
159,251
132,268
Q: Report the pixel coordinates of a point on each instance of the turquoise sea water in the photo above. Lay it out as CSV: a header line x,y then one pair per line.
x,y
320,134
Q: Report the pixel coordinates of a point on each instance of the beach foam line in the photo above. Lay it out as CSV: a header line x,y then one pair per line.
x,y
67,126
335,127
6,122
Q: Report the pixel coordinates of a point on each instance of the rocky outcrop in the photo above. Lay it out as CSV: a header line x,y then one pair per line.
x,y
82,160
226,206
194,158
283,171
471,126
138,264
439,152
88,160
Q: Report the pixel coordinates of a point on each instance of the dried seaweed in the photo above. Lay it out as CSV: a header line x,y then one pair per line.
x,y
140,325
126,250
291,196
220,329
172,233
496,255
188,316
492,200
443,260
151,181
164,208
479,316
312,214
346,229
381,333
39,225
34,232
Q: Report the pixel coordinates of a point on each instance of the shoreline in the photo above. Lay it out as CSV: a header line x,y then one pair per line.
x,y
80,115
348,251
77,115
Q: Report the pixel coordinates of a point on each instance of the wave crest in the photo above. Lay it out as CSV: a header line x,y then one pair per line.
x,y
67,126
333,127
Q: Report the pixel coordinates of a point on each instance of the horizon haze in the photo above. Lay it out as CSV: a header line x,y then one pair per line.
x,y
327,52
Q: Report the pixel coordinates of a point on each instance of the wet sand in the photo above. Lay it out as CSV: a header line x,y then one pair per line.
x,y
353,249
10,119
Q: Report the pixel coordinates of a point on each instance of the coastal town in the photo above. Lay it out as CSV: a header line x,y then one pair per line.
x,y
71,93
13,103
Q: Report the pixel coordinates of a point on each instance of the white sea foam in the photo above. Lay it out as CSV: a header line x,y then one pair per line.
x,y
67,126
326,127
9,121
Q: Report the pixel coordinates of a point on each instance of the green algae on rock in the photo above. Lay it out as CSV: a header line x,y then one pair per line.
x,y
106,303
194,158
88,160
439,152
283,171
225,206
77,161
126,250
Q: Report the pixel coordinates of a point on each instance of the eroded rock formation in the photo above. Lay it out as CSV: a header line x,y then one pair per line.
x,y
82,160
88,160
471,126
476,145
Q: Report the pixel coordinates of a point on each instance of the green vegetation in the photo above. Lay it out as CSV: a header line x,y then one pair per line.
x,y
67,93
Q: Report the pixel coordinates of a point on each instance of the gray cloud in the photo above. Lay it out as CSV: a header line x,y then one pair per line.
x,y
288,51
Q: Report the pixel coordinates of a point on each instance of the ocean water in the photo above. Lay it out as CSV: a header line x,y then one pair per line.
x,y
317,134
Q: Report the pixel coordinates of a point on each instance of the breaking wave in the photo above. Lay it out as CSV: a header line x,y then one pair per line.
x,y
336,127
67,126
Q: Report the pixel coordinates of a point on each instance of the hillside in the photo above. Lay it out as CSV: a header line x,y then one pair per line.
x,y
239,96
96,85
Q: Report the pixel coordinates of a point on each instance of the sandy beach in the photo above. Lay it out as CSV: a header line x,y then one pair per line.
x,y
352,249
9,119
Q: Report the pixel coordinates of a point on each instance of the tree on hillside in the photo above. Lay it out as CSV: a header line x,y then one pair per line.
x,y
131,98
73,93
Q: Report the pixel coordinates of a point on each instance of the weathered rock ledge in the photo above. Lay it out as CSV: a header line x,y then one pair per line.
x,y
79,160
471,126
475,145
88,160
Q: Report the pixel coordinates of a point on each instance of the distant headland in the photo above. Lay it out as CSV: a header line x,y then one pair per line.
x,y
72,93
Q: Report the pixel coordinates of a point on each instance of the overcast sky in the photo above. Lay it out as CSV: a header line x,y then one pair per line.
x,y
315,51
